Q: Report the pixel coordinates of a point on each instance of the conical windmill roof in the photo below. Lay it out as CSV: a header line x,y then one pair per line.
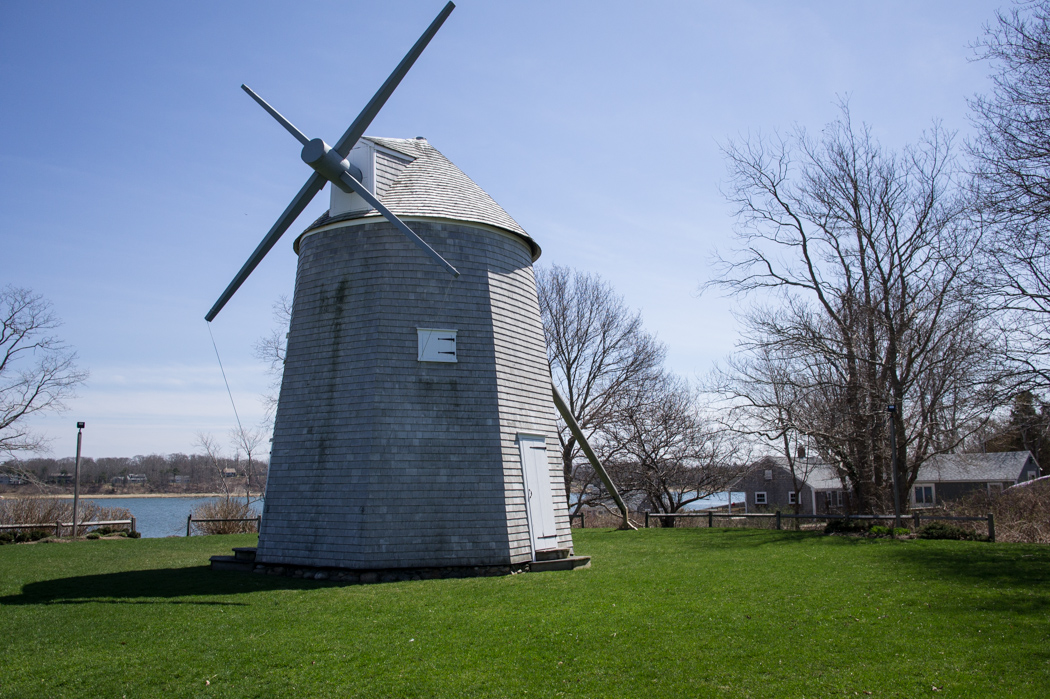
x,y
427,184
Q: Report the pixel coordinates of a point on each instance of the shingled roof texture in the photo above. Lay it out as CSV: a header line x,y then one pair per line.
x,y
431,186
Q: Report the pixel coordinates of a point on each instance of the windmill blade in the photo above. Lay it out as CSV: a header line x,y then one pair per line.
x,y
357,129
289,126
302,199
363,192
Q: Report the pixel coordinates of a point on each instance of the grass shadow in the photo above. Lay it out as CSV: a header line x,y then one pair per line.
x,y
740,538
996,565
159,585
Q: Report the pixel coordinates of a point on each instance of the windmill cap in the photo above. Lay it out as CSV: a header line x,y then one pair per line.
x,y
428,185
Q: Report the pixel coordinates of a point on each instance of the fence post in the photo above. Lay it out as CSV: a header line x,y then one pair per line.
x,y
647,519
991,528
189,520
58,529
915,520
258,523
583,521
778,519
133,520
710,519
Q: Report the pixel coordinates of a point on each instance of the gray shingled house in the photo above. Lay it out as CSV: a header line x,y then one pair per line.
x,y
415,425
769,486
951,476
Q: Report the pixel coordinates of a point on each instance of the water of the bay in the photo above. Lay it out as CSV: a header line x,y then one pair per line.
x,y
159,517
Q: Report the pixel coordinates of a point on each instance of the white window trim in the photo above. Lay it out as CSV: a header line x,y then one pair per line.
x,y
761,494
933,494
428,352
793,497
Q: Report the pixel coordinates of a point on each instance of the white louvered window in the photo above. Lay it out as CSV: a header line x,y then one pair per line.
x,y
436,345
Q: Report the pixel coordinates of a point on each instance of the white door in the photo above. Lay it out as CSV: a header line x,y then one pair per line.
x,y
538,495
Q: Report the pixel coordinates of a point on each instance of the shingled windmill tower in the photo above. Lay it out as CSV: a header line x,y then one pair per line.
x,y
415,426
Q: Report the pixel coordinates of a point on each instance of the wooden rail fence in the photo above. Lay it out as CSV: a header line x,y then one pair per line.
x,y
59,526
191,519
916,518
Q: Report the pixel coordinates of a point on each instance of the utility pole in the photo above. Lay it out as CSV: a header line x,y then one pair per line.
x,y
892,411
76,483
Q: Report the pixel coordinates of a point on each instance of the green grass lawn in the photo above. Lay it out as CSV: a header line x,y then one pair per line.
x,y
661,613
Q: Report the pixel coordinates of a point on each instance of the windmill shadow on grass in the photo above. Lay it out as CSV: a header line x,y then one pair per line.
x,y
155,586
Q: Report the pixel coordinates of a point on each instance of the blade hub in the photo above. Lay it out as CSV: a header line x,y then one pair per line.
x,y
326,161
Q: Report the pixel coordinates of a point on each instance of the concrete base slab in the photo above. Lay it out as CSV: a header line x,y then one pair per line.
x,y
570,563
231,563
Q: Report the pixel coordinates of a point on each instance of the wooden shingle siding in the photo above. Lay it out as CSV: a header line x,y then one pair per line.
x,y
382,461
388,166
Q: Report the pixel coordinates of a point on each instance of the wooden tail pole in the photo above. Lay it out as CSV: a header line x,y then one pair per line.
x,y
566,415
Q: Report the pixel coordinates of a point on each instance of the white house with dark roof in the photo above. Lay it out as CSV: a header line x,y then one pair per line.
x,y
951,476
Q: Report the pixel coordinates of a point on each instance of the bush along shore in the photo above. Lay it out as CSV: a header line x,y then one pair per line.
x,y
36,519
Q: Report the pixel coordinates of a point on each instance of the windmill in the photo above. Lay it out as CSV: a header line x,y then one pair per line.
x,y
414,426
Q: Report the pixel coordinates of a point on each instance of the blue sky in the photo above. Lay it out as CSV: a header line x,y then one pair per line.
x,y
136,177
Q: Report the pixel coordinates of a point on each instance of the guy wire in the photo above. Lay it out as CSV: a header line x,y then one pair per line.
x,y
228,391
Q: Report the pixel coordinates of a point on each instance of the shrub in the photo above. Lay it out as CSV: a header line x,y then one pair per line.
x,y
901,531
848,526
22,536
93,535
226,508
1022,513
879,530
945,530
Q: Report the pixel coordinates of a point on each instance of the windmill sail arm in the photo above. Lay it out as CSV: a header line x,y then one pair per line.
x,y
363,192
289,126
300,202
574,427
357,129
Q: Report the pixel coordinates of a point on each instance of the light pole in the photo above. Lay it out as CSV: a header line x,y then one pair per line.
x,y
892,411
76,482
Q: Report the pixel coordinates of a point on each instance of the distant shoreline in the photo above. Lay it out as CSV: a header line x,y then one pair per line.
x,y
107,496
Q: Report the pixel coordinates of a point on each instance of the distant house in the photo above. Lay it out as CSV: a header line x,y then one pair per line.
x,y
229,472
11,479
952,476
768,486
180,479
130,479
60,478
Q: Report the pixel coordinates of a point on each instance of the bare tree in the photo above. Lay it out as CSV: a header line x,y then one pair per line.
x,y
212,450
247,441
599,355
1011,167
37,370
666,449
765,403
864,260
272,349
